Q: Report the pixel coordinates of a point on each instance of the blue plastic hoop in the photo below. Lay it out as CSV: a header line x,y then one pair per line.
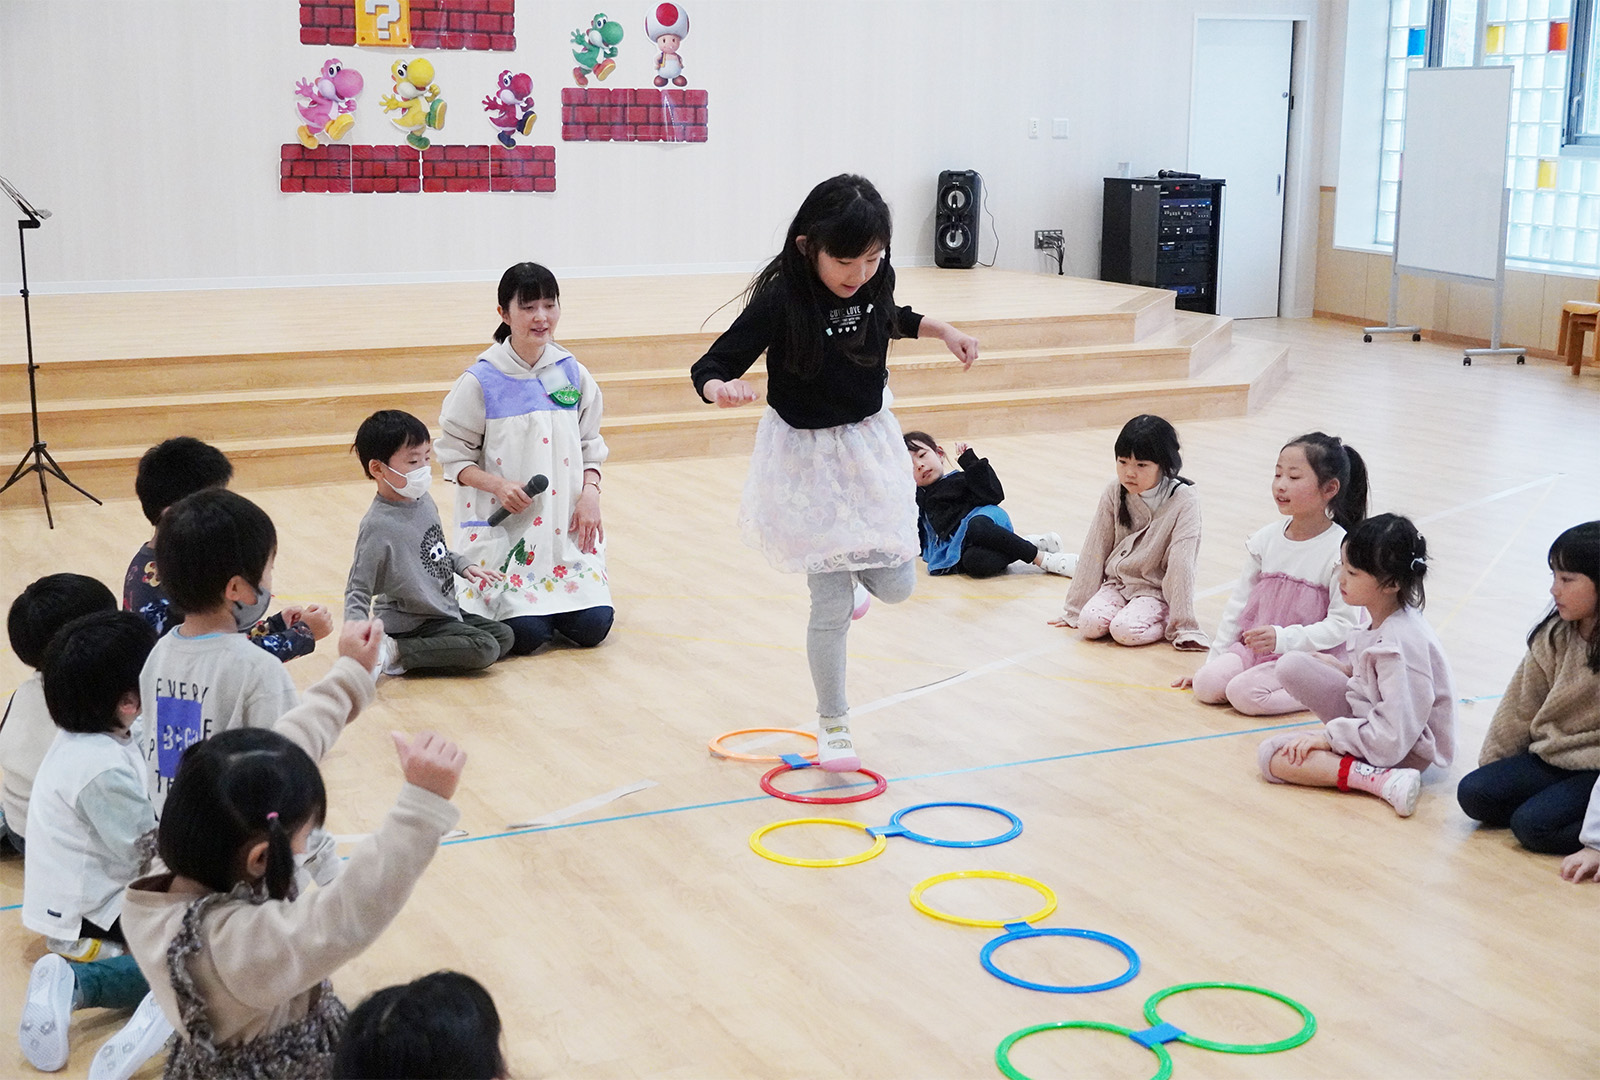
x,y
895,828
1019,931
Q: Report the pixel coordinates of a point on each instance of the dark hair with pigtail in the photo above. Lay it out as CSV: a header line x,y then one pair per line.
x,y
1331,459
845,217
1576,551
1390,548
233,791
524,281
1148,438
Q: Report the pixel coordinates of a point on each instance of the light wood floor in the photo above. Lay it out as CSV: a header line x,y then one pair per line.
x,y
643,938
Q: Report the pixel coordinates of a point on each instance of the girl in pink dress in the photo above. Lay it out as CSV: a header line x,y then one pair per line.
x,y
1287,599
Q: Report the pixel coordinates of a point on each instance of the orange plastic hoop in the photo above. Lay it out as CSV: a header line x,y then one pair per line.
x,y
716,748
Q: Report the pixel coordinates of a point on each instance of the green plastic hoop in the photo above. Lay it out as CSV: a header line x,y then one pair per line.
x,y
1304,1034
1002,1053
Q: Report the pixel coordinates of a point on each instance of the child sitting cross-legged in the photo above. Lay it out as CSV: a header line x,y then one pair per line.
x,y
404,572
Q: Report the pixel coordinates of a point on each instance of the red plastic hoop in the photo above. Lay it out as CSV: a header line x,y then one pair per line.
x,y
824,800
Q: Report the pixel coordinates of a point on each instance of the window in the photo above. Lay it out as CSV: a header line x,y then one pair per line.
x,y
1554,48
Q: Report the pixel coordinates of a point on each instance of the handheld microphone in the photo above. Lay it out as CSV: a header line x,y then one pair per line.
x,y
1174,174
539,482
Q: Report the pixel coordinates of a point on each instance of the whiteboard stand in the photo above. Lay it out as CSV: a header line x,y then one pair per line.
x,y
1494,348
1391,327
1452,190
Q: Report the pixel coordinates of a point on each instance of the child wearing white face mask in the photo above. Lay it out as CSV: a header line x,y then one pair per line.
x,y
403,571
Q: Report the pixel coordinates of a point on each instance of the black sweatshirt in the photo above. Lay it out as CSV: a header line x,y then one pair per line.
x,y
949,499
841,391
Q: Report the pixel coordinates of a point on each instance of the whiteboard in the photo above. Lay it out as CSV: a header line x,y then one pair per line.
x,y
1453,171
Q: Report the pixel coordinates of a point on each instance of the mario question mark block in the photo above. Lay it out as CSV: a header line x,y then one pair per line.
x,y
603,114
400,168
483,25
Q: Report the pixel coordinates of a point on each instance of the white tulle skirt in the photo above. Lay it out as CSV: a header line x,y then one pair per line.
x,y
826,499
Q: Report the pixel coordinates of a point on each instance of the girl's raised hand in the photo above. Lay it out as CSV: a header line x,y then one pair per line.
x,y
431,762
361,641
963,346
1581,866
729,395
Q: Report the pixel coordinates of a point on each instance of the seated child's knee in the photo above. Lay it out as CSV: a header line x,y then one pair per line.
x,y
1269,750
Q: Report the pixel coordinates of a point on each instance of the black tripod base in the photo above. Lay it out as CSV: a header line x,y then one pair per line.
x,y
38,460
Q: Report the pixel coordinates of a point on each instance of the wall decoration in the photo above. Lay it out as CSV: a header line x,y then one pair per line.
x,y
643,115
330,102
667,25
510,107
416,99
397,169
485,25
596,50
383,22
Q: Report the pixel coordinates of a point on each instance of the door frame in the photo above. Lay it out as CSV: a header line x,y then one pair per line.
x,y
1297,253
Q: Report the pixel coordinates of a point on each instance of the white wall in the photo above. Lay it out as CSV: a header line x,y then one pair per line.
x,y
152,129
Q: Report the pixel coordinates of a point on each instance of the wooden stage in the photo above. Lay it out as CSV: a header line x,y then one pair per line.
x,y
641,937
281,378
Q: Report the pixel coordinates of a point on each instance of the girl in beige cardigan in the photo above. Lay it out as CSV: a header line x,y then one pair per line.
x,y
240,966
1135,574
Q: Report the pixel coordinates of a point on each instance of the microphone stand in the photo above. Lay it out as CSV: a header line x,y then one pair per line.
x,y
37,459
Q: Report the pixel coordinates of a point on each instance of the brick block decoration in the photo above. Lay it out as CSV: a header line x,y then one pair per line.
x,y
385,169
325,169
484,25
400,168
604,114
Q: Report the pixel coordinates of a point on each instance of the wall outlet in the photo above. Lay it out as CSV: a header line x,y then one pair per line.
x,y
1047,239
1033,127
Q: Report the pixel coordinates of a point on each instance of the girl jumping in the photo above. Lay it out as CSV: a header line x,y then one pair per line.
x,y
1287,599
962,528
829,494
1391,711
1136,570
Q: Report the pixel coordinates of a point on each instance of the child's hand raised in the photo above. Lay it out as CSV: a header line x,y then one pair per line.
x,y
431,762
361,640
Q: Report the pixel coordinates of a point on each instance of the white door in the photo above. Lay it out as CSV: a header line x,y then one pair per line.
x,y
1239,132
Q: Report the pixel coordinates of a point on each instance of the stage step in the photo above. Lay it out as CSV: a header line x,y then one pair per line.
x,y
1229,385
90,423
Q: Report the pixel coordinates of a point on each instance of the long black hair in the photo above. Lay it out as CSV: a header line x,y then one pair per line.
x,y
1390,548
1331,459
845,217
1576,551
1148,438
524,281
233,791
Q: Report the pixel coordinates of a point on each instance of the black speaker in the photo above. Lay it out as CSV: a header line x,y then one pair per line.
x,y
955,219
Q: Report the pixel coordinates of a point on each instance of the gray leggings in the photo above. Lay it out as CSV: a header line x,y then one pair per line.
x,y
832,601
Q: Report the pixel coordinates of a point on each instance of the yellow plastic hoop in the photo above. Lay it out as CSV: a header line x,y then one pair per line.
x,y
879,843
716,748
988,924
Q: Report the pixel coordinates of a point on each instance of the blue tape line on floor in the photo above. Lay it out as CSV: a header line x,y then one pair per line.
x,y
864,783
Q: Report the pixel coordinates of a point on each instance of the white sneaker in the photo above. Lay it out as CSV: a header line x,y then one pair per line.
x,y
863,601
1064,563
389,658
84,950
140,1039
47,1013
1401,790
1047,542
836,750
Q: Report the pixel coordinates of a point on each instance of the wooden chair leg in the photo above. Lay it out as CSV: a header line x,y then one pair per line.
x,y
1575,335
1561,334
